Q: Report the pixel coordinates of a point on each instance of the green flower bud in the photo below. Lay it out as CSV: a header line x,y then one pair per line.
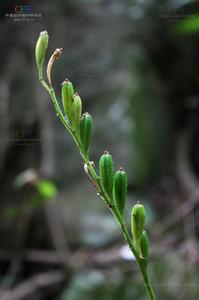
x,y
77,112
85,127
40,51
120,190
67,98
137,221
144,244
106,170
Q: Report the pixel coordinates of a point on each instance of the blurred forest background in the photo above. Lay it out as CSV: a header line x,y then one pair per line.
x,y
135,64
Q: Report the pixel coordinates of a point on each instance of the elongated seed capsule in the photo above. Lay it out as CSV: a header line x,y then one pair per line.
x,y
67,98
137,221
85,131
120,190
40,50
106,170
76,112
144,244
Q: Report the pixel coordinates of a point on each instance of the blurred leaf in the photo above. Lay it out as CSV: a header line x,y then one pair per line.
x,y
189,25
46,189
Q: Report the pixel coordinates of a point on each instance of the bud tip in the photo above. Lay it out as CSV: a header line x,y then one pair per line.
x,y
44,32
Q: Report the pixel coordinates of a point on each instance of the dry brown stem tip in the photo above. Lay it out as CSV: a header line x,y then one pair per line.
x,y
54,56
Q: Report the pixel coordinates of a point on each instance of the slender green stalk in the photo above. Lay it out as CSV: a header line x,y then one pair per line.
x,y
105,198
105,182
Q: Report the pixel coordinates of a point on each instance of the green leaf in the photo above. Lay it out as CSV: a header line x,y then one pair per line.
x,y
46,189
190,25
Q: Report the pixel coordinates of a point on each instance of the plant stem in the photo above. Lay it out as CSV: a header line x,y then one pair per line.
x,y
126,235
103,195
146,280
139,261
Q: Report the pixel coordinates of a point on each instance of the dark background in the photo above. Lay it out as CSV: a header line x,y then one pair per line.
x,y
135,65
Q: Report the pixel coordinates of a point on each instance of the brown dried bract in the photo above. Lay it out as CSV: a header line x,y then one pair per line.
x,y
55,56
